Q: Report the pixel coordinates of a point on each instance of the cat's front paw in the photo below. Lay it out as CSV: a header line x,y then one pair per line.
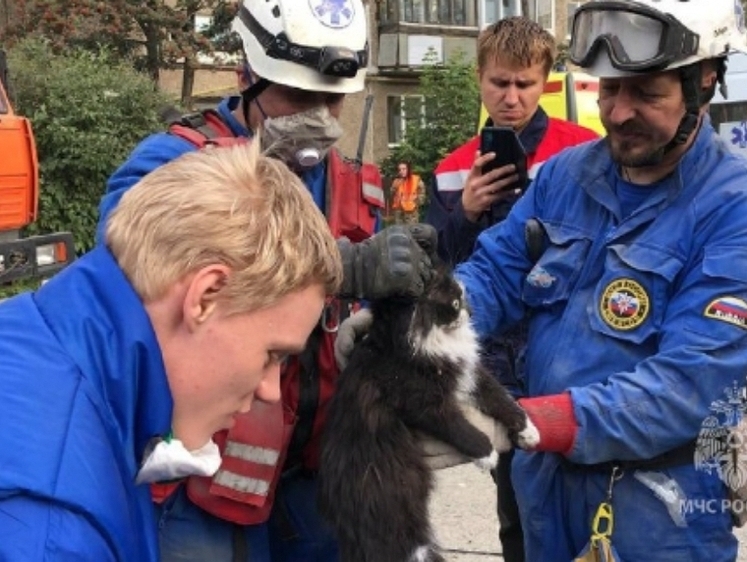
x,y
489,462
529,437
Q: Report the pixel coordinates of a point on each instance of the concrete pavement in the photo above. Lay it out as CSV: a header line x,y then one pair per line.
x,y
463,511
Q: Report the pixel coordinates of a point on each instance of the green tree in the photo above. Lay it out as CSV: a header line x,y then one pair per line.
x,y
88,111
451,106
152,34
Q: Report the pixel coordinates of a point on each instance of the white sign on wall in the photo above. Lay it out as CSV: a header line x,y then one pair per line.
x,y
419,45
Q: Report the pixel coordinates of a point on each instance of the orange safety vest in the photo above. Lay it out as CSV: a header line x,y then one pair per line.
x,y
407,193
273,436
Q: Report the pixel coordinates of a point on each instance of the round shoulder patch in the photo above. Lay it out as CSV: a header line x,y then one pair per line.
x,y
336,14
624,305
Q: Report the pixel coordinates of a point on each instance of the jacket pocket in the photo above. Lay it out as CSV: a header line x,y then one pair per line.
x,y
630,298
727,262
553,277
723,297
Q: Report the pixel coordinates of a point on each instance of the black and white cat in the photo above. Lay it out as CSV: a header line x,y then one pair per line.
x,y
419,361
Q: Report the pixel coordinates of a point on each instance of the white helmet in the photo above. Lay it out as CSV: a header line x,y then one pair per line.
x,y
318,45
625,37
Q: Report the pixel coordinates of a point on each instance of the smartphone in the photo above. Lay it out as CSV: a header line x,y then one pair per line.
x,y
508,150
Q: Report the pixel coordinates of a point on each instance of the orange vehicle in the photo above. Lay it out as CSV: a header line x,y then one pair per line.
x,y
23,257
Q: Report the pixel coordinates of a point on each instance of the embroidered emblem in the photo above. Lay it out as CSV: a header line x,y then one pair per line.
x,y
539,277
625,304
336,14
728,309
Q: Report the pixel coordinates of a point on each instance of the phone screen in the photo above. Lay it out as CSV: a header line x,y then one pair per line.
x,y
508,150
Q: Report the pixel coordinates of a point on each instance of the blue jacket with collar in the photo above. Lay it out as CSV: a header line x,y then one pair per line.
x,y
82,391
643,318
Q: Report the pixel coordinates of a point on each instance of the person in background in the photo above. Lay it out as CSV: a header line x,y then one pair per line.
x,y
261,504
408,195
514,59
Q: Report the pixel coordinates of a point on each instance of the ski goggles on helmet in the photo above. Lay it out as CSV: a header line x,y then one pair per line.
x,y
637,38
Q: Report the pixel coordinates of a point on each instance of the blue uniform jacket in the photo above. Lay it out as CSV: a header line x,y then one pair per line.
x,y
622,311
160,148
82,391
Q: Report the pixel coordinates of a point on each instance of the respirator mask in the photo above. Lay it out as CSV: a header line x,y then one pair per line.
x,y
301,140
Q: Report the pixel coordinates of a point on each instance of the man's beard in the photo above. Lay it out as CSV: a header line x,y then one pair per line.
x,y
621,155
621,151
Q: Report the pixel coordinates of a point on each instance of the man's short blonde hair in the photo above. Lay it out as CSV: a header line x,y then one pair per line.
x,y
518,41
228,205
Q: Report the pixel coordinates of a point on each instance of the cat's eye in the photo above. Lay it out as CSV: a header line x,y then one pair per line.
x,y
456,303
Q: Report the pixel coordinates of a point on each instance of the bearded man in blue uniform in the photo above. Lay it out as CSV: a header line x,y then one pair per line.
x,y
637,304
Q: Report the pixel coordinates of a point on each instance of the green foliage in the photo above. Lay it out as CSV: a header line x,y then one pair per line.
x,y
151,35
452,105
87,112
17,287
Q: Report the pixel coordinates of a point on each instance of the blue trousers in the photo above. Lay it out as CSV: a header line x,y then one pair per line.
x,y
294,533
557,503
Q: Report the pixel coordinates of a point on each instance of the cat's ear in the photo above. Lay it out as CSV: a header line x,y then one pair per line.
x,y
441,280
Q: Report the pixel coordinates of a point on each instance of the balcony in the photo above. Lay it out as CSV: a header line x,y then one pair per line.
x,y
408,29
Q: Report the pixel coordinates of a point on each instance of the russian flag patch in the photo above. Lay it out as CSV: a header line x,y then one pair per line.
x,y
728,309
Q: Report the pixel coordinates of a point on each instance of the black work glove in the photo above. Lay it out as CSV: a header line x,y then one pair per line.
x,y
398,261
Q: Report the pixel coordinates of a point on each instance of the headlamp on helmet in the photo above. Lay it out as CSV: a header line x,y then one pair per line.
x,y
338,62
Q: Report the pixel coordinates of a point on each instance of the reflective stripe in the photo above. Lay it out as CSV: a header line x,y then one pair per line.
x,y
244,484
373,191
452,181
534,170
259,455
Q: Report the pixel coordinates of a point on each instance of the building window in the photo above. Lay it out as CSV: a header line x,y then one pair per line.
x,y
495,10
388,11
403,111
543,12
461,13
546,14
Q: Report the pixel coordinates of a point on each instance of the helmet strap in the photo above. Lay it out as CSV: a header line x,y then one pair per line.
x,y
250,95
721,77
690,78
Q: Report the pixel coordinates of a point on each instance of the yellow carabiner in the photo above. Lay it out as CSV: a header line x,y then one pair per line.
x,y
603,523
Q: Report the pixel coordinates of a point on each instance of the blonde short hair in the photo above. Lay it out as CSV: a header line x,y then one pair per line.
x,y
516,40
227,205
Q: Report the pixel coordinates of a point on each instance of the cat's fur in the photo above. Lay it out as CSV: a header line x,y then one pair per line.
x,y
418,361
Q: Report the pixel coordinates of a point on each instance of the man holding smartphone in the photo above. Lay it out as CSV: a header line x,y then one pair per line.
x,y
514,59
